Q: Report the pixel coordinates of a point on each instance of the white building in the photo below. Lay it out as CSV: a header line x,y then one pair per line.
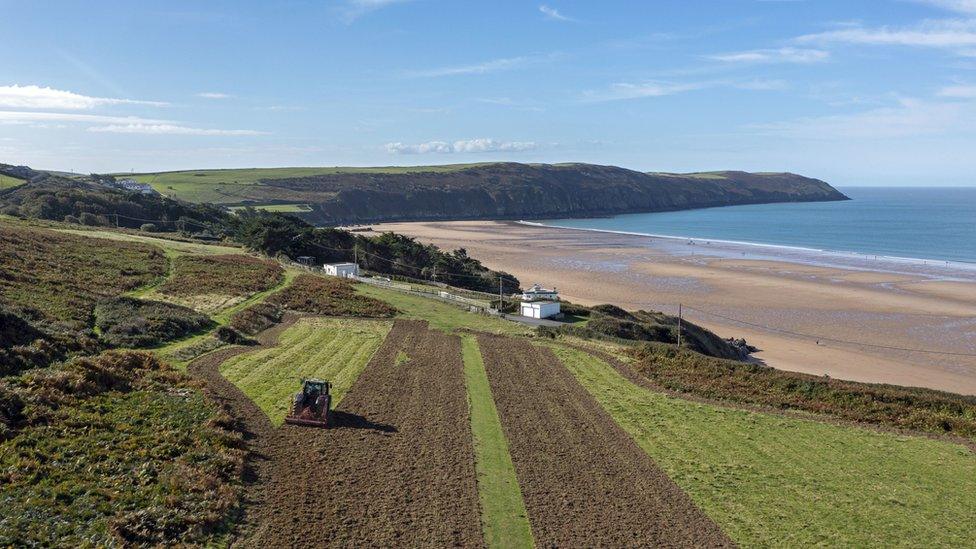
x,y
539,302
344,270
540,309
538,293
135,186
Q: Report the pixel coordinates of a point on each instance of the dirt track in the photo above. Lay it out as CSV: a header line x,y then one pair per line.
x,y
397,471
584,481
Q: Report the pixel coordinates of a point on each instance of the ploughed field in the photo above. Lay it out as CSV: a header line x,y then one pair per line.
x,y
584,480
396,470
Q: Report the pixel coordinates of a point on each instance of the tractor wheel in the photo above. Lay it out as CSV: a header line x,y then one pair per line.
x,y
296,407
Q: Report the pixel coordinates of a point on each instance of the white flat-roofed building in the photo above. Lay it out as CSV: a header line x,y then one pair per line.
x,y
343,270
540,309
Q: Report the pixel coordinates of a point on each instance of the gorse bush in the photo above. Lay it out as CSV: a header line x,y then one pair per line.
x,y
130,322
746,383
256,318
329,296
234,275
114,450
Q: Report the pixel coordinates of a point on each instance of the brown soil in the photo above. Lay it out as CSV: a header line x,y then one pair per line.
x,y
396,470
584,481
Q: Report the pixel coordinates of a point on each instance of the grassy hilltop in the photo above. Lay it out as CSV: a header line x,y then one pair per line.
x,y
478,191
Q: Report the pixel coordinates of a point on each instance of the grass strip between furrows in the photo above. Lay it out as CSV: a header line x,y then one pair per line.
x,y
774,481
327,348
504,519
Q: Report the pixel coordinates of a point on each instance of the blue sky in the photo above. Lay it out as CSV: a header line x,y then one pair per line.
x,y
856,93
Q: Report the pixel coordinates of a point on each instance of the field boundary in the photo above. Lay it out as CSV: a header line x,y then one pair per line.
x,y
503,515
636,378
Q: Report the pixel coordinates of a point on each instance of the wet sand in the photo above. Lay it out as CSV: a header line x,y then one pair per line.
x,y
833,318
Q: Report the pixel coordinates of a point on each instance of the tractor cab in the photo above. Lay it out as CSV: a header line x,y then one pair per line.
x,y
311,405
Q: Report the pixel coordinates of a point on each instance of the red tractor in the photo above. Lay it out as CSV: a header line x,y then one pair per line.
x,y
312,404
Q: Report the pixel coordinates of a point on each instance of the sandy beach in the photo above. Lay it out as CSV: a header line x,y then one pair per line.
x,y
846,317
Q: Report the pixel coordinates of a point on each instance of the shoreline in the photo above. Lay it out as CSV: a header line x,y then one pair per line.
x,y
778,299
825,255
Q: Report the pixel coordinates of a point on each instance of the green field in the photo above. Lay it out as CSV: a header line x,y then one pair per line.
x,y
230,186
325,348
503,515
777,482
440,315
280,208
7,182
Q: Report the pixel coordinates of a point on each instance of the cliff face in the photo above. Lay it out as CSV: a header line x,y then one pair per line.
x,y
520,191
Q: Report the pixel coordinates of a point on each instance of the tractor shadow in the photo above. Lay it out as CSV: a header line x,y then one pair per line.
x,y
345,420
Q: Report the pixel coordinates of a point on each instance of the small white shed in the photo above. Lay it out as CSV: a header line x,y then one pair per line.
x,y
540,309
344,270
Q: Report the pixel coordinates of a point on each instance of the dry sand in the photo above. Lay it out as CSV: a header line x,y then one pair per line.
x,y
794,312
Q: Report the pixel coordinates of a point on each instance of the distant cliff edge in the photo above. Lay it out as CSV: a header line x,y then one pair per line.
x,y
532,191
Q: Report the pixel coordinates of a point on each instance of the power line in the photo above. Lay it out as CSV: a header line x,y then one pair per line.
x,y
830,339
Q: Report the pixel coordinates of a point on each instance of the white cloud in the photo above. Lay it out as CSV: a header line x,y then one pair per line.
x,y
37,97
781,55
352,10
494,65
112,124
553,14
961,91
464,146
167,129
951,34
20,117
214,95
625,90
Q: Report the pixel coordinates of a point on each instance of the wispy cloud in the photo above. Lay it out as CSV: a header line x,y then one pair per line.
x,y
960,91
351,10
961,6
553,14
481,145
112,124
168,129
494,65
21,117
958,35
909,118
37,97
781,55
214,95
625,90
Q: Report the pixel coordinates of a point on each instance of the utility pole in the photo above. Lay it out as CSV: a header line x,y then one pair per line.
x,y
679,326
116,221
500,305
355,253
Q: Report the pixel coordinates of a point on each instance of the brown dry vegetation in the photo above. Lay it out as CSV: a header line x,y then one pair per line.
x,y
229,275
329,296
584,480
751,384
117,449
61,276
256,318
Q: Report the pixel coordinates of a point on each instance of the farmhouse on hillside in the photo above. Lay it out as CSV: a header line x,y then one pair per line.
x,y
343,270
539,302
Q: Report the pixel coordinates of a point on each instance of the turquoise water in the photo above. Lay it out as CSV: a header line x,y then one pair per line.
x,y
915,222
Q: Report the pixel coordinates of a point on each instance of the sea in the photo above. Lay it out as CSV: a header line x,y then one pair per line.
x,y
902,225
